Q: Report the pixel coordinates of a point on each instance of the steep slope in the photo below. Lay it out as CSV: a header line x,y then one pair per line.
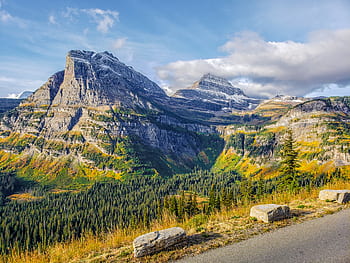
x,y
321,131
100,118
277,106
212,100
217,94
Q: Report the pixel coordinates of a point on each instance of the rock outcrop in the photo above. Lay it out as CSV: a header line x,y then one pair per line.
x,y
159,240
270,212
340,196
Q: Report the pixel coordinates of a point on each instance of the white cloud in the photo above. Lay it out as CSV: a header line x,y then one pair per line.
x,y
70,12
5,16
119,43
8,85
12,96
104,18
52,20
272,67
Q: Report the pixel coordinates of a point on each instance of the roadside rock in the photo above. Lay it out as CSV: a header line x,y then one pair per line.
x,y
341,196
270,212
156,241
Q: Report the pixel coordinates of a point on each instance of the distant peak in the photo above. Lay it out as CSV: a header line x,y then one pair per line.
x,y
213,77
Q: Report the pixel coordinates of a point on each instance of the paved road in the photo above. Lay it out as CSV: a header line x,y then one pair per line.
x,y
325,240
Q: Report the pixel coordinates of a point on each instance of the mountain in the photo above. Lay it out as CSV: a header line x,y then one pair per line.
x,y
25,94
100,118
213,101
320,129
217,94
275,107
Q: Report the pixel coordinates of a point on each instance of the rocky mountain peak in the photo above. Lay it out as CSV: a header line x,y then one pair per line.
x,y
94,79
218,84
100,111
219,93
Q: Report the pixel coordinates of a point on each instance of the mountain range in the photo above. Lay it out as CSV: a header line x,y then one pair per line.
x,y
99,119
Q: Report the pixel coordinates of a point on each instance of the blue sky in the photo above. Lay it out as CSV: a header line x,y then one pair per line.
x,y
264,47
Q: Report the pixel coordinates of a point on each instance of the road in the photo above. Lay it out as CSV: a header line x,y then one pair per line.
x,y
325,240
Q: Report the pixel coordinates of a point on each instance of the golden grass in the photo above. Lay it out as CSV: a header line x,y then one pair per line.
x,y
218,229
24,197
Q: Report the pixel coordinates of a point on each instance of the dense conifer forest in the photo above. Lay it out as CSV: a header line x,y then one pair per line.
x,y
56,217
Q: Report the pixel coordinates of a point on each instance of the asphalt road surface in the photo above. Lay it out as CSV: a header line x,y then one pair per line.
x,y
325,240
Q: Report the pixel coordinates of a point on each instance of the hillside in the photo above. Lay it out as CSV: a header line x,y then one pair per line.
x,y
97,119
100,147
320,129
215,94
100,119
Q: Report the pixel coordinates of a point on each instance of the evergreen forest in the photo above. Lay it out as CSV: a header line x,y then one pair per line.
x,y
57,217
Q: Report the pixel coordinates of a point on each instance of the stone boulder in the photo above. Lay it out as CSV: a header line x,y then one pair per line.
x,y
270,212
340,196
156,241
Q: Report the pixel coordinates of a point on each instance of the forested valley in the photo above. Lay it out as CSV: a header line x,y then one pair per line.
x,y
57,217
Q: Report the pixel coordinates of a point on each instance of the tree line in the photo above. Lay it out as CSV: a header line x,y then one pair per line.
x,y
136,201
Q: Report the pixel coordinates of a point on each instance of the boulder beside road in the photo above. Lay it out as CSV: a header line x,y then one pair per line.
x,y
156,241
270,212
340,196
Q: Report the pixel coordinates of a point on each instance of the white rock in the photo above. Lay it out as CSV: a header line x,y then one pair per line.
x,y
341,196
270,212
156,241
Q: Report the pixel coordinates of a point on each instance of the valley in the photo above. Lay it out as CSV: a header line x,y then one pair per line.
x,y
100,147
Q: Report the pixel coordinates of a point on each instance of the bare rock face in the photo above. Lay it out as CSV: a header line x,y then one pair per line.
x,y
340,196
99,106
216,94
270,212
156,241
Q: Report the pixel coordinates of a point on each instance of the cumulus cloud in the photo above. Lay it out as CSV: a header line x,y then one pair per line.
x,y
119,43
265,68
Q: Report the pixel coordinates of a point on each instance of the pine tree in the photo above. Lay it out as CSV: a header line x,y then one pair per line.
x,y
289,164
260,191
212,199
246,189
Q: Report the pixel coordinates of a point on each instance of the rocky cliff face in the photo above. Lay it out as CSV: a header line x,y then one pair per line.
x,y
101,112
322,125
217,94
321,130
100,118
311,111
